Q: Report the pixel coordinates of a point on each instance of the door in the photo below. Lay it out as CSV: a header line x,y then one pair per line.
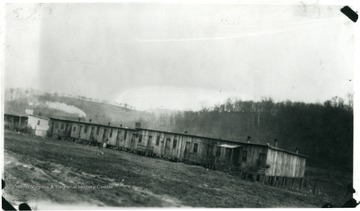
x,y
105,139
132,142
80,129
52,128
150,143
118,138
228,154
92,133
262,160
236,155
67,130
167,146
209,154
187,149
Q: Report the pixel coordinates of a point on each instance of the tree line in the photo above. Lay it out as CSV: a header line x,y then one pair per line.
x,y
322,131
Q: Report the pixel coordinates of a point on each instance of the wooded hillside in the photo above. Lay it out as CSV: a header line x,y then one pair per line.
x,y
100,111
324,132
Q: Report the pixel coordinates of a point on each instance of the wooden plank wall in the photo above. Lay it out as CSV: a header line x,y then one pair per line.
x,y
284,164
159,149
280,163
101,134
56,129
252,157
179,150
123,140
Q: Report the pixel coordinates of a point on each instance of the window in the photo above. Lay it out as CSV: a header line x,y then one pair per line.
x,y
195,148
38,122
85,130
119,133
244,155
74,128
56,125
140,138
157,140
125,134
174,143
167,144
218,151
97,130
62,126
111,132
150,139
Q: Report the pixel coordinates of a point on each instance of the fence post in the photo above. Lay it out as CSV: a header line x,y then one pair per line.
x,y
284,182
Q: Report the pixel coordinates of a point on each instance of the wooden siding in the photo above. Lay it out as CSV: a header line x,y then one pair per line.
x,y
162,143
277,162
252,155
284,164
201,155
60,128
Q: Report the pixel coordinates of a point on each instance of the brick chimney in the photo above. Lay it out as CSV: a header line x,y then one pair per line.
x,y
248,139
137,125
109,123
296,150
275,142
90,120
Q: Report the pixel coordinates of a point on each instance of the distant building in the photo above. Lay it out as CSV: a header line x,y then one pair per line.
x,y
17,122
39,125
34,124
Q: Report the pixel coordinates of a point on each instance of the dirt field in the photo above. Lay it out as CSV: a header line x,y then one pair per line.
x,y
46,173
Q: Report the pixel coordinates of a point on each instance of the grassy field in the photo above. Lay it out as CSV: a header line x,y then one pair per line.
x,y
47,172
330,184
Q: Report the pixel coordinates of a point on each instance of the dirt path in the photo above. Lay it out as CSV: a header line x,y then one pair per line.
x,y
59,184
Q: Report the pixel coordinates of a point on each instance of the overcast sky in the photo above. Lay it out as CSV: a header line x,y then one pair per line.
x,y
180,56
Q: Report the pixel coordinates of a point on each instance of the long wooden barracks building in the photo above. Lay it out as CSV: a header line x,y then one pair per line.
x,y
262,162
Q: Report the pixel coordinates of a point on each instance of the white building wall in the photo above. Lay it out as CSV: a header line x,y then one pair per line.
x,y
39,125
